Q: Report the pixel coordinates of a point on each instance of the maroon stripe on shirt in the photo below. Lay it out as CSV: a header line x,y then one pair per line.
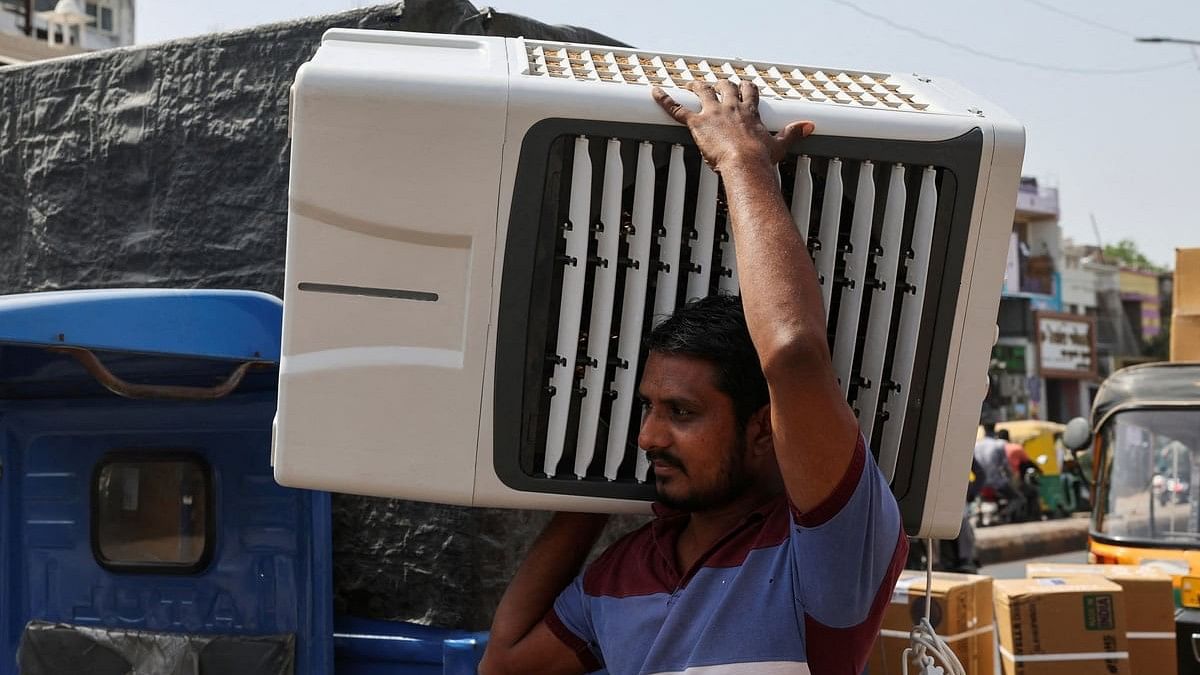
x,y
833,504
632,566
776,525
642,562
844,651
572,641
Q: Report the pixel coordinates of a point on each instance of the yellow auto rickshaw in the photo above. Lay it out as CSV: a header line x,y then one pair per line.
x,y
1144,437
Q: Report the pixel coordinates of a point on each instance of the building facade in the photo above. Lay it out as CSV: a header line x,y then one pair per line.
x,y
1140,293
56,28
1046,362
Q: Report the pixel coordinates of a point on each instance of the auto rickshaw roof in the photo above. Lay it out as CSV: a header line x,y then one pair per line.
x,y
1162,383
216,324
138,343
1023,430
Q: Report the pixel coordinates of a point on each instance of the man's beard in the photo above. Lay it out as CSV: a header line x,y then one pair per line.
x,y
733,482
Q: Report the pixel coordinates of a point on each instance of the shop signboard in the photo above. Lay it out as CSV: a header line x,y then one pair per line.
x,y
1066,345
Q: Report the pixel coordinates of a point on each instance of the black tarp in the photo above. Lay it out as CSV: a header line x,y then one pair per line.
x,y
167,166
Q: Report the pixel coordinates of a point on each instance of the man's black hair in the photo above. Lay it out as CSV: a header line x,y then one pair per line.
x,y
714,329
1003,435
989,429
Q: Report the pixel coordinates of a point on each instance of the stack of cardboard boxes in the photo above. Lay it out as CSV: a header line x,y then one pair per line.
x,y
1062,620
1185,306
961,613
1149,610
1057,625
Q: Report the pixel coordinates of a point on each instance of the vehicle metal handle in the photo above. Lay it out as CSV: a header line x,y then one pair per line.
x,y
120,387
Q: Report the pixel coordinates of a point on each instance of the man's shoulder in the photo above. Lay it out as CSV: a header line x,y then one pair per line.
x,y
627,567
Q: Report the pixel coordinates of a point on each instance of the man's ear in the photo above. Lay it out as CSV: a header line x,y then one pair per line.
x,y
759,437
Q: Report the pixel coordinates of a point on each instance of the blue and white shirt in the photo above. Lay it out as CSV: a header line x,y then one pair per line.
x,y
783,592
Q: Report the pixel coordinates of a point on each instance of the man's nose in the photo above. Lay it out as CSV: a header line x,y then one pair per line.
x,y
653,434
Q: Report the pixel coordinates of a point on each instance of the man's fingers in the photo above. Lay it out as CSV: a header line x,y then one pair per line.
x,y
675,110
728,92
795,131
788,137
749,93
704,91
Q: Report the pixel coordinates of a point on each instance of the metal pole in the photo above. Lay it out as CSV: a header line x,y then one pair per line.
x,y
29,18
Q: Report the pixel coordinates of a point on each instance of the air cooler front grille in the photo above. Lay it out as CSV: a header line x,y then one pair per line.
x,y
603,64
615,225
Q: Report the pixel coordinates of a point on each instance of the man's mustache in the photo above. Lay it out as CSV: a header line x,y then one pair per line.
x,y
664,457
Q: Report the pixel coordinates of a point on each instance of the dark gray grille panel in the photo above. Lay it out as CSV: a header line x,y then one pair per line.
x,y
615,225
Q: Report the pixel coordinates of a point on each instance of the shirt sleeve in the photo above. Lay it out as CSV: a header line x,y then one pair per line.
x,y
847,553
570,621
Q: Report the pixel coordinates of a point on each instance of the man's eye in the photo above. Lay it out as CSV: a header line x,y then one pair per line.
x,y
680,412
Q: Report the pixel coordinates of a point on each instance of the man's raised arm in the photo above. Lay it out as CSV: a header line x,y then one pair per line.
x,y
814,430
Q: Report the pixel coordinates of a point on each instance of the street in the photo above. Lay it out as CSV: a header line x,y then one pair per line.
x,y
1016,568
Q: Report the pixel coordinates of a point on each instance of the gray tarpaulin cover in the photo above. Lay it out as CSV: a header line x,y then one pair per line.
x,y
62,649
167,165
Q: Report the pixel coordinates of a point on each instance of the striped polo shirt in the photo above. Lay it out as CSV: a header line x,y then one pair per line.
x,y
783,592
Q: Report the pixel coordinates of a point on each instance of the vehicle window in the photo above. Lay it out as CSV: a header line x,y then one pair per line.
x,y
1148,491
151,513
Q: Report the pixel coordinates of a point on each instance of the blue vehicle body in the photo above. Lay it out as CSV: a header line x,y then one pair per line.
x,y
236,555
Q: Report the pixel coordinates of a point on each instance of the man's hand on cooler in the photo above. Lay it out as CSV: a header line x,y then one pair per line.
x,y
728,129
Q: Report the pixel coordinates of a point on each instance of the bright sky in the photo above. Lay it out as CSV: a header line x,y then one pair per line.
x,y
1122,147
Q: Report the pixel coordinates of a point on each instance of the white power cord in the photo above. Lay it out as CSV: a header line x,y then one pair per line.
x,y
930,651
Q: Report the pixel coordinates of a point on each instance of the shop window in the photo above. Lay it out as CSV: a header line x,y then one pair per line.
x,y
152,513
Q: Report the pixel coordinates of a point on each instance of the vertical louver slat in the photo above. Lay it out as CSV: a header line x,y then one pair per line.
x,y
642,466
668,252
855,273
571,304
600,326
912,296
802,192
883,289
705,224
727,276
633,306
827,236
728,282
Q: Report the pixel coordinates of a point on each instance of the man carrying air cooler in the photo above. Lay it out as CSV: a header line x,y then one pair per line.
x,y
777,541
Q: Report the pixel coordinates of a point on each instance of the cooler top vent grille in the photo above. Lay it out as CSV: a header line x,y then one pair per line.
x,y
843,87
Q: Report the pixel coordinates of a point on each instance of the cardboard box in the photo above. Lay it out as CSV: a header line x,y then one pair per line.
x,y
1053,626
1185,337
961,613
1185,306
1149,610
1185,299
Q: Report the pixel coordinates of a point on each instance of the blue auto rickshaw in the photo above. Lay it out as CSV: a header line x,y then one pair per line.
x,y
140,528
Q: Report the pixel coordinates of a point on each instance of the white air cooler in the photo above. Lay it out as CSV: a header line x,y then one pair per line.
x,y
480,230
